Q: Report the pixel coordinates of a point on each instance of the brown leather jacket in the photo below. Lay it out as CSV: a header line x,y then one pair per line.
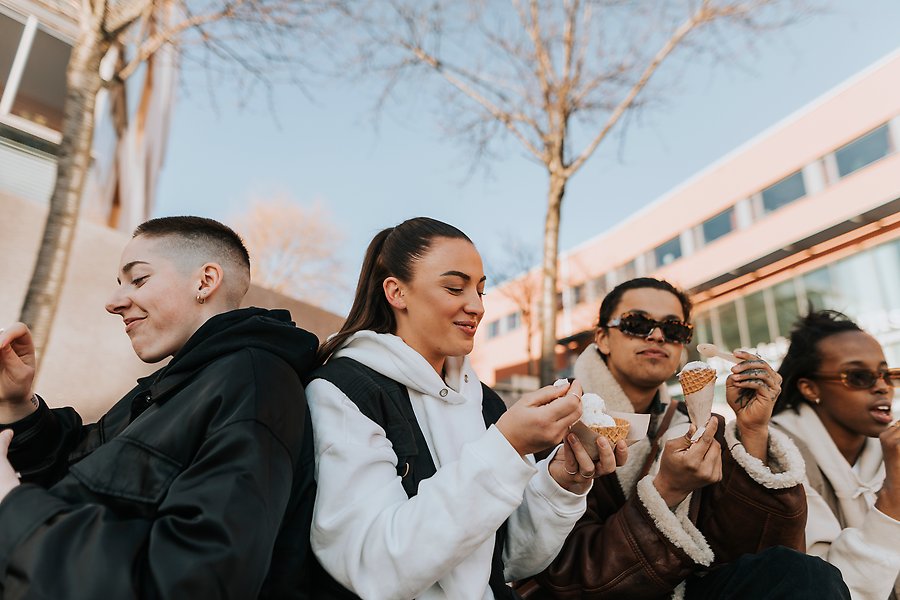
x,y
617,550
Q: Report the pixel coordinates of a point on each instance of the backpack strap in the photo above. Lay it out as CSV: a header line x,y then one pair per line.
x,y
492,408
387,403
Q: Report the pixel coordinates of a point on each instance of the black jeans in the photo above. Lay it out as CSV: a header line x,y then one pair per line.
x,y
775,573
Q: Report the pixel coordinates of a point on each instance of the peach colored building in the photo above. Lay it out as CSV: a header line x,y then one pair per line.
x,y
806,212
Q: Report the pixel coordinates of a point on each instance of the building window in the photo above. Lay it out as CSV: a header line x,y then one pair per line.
x,y
729,328
719,225
493,329
578,294
42,90
513,321
784,192
757,319
598,287
862,151
786,307
10,34
668,252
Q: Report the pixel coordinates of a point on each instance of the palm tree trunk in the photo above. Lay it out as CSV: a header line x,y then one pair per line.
x,y
83,84
549,277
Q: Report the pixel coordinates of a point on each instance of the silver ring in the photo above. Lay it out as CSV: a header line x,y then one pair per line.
x,y
591,476
571,472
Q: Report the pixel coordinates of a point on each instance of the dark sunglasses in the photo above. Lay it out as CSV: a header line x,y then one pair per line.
x,y
640,325
862,379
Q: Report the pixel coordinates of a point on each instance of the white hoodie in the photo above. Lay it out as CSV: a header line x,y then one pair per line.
x,y
379,543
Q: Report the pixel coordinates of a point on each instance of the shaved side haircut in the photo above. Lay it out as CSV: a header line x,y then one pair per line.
x,y
193,241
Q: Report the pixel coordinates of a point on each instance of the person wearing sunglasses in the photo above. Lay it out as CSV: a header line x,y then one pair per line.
x,y
836,404
719,516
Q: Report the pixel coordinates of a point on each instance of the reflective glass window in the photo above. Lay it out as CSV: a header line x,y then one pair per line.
x,y
10,34
42,90
668,252
513,320
757,321
786,308
887,265
702,335
819,293
855,282
728,326
862,151
719,225
784,192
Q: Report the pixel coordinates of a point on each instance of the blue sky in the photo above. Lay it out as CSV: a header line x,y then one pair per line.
x,y
327,148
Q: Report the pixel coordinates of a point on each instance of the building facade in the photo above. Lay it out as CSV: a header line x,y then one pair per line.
x,y
805,214
131,119
88,361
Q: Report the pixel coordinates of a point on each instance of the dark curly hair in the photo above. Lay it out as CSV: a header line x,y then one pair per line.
x,y
803,358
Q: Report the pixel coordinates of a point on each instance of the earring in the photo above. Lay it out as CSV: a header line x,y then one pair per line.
x,y
200,299
816,400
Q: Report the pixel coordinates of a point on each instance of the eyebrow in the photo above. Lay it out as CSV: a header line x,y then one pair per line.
x,y
462,276
128,267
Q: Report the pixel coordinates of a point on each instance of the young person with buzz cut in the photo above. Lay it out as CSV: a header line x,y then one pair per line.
x,y
719,517
198,483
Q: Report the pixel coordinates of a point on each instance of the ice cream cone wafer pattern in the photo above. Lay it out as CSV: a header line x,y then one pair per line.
x,y
614,434
698,381
694,380
595,417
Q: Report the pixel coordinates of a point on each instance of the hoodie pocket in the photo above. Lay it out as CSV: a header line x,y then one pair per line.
x,y
127,469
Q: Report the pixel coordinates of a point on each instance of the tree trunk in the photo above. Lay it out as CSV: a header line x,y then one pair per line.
x,y
83,84
549,277
529,336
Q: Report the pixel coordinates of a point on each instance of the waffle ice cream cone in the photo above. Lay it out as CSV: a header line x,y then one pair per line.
x,y
613,434
698,381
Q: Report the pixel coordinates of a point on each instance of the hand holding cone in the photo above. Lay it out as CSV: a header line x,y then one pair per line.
x,y
698,381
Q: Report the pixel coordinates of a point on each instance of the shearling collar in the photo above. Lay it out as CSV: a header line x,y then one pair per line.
x,y
591,372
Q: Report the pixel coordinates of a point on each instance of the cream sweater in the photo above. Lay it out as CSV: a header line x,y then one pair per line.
x,y
860,540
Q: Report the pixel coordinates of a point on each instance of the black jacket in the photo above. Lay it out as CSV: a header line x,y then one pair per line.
x,y
183,488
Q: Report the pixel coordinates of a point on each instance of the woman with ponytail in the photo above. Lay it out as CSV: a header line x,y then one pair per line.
x,y
427,487
836,405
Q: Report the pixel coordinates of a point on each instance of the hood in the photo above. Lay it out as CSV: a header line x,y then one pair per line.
x,y
225,333
390,356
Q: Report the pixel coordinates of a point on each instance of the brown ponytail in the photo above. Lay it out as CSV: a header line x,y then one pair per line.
x,y
391,253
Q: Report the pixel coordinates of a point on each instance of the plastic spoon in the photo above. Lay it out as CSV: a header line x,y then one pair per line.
x,y
710,350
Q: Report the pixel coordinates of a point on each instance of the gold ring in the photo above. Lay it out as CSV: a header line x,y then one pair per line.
x,y
571,472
